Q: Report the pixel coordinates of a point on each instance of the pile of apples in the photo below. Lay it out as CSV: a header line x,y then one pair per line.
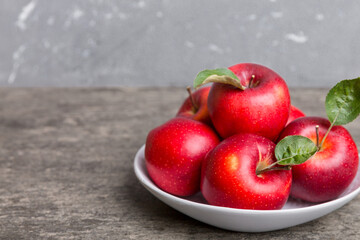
x,y
244,145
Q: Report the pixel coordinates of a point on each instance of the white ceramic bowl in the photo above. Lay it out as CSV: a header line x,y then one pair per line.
x,y
293,213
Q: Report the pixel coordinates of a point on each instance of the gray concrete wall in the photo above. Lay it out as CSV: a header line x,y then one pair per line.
x,y
165,43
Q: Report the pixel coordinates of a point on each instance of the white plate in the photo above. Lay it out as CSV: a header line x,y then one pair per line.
x,y
293,213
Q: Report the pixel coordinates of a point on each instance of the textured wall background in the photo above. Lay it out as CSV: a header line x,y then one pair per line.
x,y
162,43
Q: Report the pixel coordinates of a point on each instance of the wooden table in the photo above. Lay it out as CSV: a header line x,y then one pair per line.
x,y
66,172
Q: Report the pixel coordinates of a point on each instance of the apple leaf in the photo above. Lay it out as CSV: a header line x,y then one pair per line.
x,y
219,75
343,102
294,150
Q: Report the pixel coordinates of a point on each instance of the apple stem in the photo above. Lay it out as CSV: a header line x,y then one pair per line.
x,y
329,129
191,97
317,136
251,81
271,168
222,79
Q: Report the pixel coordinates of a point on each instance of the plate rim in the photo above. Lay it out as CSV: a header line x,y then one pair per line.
x,y
319,206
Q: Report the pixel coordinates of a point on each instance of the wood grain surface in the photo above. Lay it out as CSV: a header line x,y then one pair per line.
x,y
66,168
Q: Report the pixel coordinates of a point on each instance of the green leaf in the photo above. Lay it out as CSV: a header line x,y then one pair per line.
x,y
343,102
293,150
220,75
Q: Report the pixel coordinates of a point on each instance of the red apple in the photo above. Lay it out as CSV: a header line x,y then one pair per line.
x,y
262,108
174,152
229,175
330,171
294,114
195,106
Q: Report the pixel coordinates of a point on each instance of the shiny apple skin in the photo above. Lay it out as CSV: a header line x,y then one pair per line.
x,y
174,153
201,113
295,113
331,170
229,179
262,109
